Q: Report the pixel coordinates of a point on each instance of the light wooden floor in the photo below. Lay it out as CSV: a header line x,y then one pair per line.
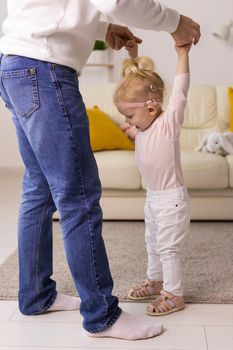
x,y
198,327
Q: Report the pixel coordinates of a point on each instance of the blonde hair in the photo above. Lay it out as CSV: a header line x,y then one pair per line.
x,y
139,81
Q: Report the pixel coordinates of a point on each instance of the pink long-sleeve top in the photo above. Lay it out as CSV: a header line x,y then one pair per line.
x,y
157,149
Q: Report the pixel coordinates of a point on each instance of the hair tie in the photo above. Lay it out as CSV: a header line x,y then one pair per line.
x,y
145,67
141,66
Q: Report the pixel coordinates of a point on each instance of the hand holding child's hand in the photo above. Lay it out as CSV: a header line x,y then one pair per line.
x,y
183,49
187,31
132,48
117,36
129,130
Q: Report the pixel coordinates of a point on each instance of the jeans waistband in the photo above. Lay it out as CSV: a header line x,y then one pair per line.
x,y
35,62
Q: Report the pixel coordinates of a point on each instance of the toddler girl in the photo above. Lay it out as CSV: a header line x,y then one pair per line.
x,y
139,98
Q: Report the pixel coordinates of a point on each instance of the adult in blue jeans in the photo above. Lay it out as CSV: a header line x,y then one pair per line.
x,y
45,44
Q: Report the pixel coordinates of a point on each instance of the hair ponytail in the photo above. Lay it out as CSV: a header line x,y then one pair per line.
x,y
139,81
141,66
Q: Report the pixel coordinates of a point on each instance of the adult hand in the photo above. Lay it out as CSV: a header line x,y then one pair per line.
x,y
117,36
187,32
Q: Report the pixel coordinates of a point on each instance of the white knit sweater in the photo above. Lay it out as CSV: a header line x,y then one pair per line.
x,y
64,31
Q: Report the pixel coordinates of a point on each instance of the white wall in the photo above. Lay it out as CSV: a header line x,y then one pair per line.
x,y
211,61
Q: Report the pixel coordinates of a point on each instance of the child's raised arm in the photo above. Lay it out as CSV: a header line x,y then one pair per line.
x,y
183,59
180,89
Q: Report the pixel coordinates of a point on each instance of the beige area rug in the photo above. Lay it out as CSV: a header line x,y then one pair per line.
x,y
207,256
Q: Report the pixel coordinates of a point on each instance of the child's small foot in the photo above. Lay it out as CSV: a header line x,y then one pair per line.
x,y
145,290
65,302
165,304
130,327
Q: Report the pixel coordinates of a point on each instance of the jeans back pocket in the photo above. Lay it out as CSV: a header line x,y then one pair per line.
x,y
22,90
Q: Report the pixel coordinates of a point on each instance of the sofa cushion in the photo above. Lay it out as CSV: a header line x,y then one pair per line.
x,y
105,134
102,96
207,111
117,170
203,170
229,159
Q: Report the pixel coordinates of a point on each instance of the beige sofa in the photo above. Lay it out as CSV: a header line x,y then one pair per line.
x,y
209,177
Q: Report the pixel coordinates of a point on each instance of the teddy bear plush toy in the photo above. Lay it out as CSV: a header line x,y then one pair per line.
x,y
216,142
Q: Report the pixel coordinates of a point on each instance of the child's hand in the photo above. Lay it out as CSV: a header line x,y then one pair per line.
x,y
183,49
129,130
132,48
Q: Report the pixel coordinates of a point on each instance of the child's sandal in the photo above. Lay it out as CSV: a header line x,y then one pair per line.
x,y
165,304
145,290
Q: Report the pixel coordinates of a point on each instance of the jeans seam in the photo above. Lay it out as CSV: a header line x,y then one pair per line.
x,y
178,214
82,184
6,99
38,250
57,87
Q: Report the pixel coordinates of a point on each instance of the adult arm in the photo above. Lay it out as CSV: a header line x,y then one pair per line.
x,y
102,30
151,15
144,14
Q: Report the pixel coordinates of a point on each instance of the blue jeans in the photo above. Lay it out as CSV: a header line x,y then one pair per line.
x,y
61,173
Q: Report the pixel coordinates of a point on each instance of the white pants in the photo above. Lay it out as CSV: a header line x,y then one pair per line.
x,y
167,217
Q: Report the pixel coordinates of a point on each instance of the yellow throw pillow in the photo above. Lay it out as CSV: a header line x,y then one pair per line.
x,y
230,95
104,133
